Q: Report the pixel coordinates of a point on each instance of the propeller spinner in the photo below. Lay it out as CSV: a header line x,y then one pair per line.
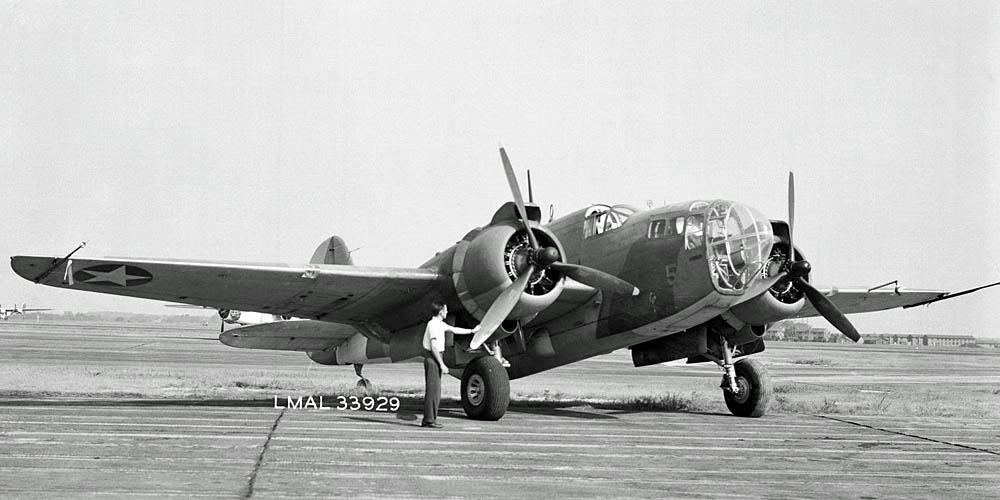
x,y
540,258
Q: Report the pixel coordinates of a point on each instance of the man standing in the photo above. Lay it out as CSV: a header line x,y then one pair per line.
x,y
433,362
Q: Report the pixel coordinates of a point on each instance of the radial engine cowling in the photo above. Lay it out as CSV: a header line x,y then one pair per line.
x,y
766,309
493,259
781,301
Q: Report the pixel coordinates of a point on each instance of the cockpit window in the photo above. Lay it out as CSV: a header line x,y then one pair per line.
x,y
600,219
694,227
659,228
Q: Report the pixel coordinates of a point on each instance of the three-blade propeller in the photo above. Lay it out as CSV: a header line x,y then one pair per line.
x,y
540,258
798,269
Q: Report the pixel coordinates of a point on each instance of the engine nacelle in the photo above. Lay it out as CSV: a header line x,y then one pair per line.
x,y
495,256
357,350
765,309
784,299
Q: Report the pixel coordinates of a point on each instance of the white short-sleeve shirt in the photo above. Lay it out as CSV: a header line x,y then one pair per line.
x,y
434,334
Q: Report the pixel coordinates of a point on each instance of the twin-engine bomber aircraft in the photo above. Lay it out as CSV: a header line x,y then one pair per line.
x,y
697,280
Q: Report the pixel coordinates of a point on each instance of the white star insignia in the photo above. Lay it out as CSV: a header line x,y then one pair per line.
x,y
117,276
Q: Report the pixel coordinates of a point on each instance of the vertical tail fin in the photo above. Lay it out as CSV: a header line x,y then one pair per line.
x,y
333,250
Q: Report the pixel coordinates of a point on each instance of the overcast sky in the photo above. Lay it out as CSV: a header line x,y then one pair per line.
x,y
252,131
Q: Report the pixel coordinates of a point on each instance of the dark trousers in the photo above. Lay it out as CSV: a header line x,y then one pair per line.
x,y
432,388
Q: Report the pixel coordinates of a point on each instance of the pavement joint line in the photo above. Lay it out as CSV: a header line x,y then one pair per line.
x,y
914,436
248,492
136,346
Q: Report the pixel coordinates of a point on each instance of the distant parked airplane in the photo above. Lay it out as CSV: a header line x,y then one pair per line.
x,y
237,317
7,313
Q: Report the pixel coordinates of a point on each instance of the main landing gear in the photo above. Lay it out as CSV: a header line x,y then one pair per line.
x,y
363,384
485,389
746,385
495,352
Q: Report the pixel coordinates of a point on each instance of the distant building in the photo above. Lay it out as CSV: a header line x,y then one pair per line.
x,y
989,344
931,340
790,331
800,332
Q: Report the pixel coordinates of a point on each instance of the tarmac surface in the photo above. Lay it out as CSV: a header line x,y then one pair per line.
x,y
108,447
225,449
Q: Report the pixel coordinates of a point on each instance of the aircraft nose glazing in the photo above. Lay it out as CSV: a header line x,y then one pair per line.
x,y
738,241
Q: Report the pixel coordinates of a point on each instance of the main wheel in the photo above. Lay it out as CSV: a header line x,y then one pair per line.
x,y
755,389
485,389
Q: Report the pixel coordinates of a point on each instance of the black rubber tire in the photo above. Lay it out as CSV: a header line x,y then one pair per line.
x,y
752,377
485,389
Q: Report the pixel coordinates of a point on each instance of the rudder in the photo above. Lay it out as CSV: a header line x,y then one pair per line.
x,y
333,250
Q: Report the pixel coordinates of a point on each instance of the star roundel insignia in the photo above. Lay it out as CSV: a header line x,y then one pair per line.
x,y
113,275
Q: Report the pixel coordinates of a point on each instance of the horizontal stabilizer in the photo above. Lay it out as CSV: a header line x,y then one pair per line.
x,y
303,336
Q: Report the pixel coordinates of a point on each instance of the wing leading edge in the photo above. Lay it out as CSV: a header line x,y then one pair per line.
x,y
335,293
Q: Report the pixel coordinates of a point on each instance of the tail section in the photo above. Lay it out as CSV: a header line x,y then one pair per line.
x,y
333,250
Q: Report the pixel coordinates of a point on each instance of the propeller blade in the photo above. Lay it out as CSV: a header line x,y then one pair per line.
x,y
501,307
791,215
596,278
829,311
222,326
515,189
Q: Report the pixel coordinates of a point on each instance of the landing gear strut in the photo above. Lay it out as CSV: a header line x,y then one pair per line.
x,y
485,389
363,384
495,352
746,385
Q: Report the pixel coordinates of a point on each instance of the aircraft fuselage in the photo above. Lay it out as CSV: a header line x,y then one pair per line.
x,y
691,261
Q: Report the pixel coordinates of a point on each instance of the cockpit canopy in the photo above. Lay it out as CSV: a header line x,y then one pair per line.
x,y
736,239
599,219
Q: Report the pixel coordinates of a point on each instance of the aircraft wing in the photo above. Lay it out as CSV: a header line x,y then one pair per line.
x,y
336,293
859,300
